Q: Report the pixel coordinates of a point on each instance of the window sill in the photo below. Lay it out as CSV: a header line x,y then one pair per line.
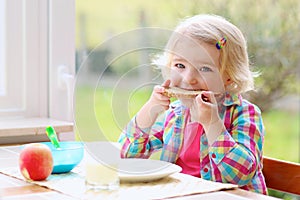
x,y
17,131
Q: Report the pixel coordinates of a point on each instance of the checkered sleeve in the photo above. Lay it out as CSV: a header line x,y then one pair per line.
x,y
237,152
140,143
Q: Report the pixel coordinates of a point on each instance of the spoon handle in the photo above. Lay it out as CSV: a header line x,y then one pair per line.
x,y
52,136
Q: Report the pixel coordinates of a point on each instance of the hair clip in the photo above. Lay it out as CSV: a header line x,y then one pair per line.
x,y
221,43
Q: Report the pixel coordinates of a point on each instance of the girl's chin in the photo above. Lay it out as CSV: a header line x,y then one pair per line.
x,y
187,102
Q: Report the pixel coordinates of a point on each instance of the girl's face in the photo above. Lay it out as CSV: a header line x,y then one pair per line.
x,y
195,66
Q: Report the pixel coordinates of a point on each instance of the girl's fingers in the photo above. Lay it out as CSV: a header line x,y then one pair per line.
x,y
158,93
158,89
161,88
206,97
166,83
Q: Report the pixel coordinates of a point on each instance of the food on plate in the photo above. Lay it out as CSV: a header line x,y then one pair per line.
x,y
36,161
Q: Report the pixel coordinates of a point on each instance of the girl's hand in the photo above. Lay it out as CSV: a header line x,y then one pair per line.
x,y
157,103
205,111
205,108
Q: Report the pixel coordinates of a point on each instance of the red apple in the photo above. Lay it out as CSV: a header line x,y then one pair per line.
x,y
36,161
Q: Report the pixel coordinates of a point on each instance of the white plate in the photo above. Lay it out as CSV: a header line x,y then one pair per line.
x,y
145,170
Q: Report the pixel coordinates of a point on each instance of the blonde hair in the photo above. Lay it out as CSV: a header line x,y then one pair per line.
x,y
233,56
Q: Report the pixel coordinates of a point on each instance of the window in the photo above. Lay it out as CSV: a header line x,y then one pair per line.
x,y
37,65
2,44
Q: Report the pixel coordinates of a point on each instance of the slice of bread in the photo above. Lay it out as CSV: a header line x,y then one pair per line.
x,y
181,93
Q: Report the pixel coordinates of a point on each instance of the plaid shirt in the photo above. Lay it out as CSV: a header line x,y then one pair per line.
x,y
235,156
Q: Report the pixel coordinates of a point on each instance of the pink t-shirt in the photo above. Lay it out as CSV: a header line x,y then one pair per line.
x,y
189,158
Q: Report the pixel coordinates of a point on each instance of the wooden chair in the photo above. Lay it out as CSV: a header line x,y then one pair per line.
x,y
282,175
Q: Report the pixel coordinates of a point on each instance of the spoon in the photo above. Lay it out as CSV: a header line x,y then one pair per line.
x,y
52,136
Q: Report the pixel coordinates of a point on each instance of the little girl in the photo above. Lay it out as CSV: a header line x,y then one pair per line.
x,y
217,135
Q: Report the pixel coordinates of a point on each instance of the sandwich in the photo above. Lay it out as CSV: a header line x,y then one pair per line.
x,y
187,94
181,93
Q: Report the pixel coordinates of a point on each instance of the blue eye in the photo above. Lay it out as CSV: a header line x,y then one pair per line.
x,y
205,69
179,65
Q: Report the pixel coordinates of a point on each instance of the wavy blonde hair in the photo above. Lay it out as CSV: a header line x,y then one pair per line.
x,y
233,58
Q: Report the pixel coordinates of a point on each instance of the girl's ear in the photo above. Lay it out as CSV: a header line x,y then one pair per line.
x,y
231,87
227,81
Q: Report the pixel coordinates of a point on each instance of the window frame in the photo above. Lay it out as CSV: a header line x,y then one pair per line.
x,y
39,63
2,52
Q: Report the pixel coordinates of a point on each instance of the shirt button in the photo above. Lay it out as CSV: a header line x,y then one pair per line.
x,y
213,155
205,170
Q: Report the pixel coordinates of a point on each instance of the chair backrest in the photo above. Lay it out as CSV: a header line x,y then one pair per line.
x,y
282,175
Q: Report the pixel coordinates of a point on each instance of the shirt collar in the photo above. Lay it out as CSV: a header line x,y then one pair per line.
x,y
232,99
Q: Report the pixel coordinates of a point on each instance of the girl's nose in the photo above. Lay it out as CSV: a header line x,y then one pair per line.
x,y
192,76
